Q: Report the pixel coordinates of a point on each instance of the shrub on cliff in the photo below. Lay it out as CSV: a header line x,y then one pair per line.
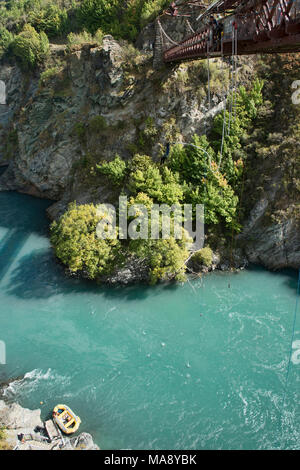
x,y
203,183
167,260
3,443
114,170
97,124
245,108
203,256
6,38
92,14
165,256
116,17
30,47
159,183
48,74
51,19
76,243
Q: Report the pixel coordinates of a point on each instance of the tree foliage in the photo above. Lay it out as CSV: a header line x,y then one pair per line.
x,y
114,170
30,47
76,243
123,19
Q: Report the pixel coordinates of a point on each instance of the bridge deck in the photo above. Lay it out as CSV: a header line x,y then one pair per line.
x,y
261,26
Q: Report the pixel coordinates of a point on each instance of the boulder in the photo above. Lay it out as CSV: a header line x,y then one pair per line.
x,y
83,442
13,416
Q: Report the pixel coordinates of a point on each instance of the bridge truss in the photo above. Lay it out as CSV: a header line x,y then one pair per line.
x,y
256,26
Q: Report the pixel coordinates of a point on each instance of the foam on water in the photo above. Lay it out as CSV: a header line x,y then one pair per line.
x,y
33,381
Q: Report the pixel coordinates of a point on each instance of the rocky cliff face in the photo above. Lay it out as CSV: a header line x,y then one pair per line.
x,y
46,130
274,244
107,100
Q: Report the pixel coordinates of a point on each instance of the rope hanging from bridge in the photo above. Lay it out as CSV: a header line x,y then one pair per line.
x,y
224,118
235,68
165,34
190,26
208,78
233,91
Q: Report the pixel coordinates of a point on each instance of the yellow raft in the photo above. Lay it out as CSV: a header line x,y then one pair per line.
x,y
65,419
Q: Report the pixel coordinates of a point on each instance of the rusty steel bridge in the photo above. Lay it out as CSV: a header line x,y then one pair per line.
x,y
248,27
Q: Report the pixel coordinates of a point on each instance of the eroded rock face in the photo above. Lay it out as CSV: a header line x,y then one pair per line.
x,y
267,239
275,245
42,119
13,416
42,123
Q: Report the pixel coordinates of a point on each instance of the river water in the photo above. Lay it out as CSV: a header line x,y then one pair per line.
x,y
194,366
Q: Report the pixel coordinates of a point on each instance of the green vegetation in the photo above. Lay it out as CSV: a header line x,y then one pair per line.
x,y
26,25
3,444
76,243
273,145
97,124
195,174
48,74
6,38
30,47
74,236
115,170
121,19
50,19
84,37
58,18
213,179
203,256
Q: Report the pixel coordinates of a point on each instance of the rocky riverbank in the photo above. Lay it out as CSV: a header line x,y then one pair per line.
x,y
23,429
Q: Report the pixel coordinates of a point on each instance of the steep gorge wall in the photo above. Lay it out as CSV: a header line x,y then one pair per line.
x,y
99,104
43,126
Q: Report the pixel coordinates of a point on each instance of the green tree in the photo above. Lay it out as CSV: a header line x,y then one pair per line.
x,y
30,47
114,170
76,243
51,19
6,38
166,257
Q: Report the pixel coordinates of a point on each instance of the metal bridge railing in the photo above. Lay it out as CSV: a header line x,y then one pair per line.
x,y
267,24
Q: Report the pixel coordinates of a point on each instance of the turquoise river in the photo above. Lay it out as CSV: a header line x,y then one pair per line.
x,y
194,366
